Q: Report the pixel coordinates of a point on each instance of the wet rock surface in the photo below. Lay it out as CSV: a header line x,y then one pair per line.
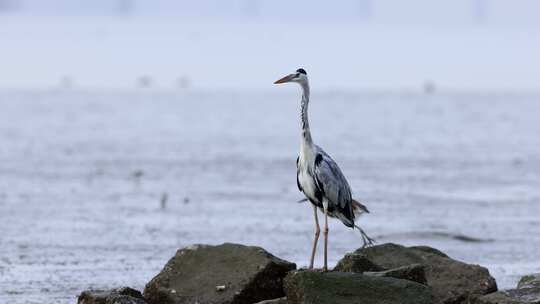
x,y
530,281
311,287
124,295
527,292
282,300
353,262
386,273
512,296
452,281
227,273
414,272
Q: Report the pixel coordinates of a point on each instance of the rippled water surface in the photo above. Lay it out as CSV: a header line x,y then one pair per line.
x,y
99,189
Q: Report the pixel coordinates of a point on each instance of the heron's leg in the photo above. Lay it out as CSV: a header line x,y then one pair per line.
x,y
316,239
325,268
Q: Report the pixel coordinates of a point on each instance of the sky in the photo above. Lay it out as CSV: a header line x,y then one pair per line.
x,y
364,44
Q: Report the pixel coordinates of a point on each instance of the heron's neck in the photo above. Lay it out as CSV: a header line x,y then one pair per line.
x,y
304,121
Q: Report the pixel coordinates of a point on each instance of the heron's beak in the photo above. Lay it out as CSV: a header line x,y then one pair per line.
x,y
285,79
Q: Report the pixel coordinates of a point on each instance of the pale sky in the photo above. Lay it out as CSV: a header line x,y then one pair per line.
x,y
461,44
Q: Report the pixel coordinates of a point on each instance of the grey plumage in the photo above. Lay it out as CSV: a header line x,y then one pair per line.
x,y
333,189
330,184
319,177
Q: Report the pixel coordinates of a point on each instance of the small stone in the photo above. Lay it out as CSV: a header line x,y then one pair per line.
x,y
275,301
221,287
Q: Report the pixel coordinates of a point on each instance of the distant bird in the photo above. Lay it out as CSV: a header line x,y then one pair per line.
x,y
320,179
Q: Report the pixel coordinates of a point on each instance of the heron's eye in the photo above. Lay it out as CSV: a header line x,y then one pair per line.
x,y
297,75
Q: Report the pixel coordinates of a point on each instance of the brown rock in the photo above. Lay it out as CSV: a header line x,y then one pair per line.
x,y
527,292
310,287
452,282
414,272
124,295
228,273
353,262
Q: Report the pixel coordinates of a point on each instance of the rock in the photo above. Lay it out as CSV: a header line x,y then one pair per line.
x,y
124,295
512,296
275,301
430,250
530,281
309,287
120,299
353,262
414,272
221,287
498,297
452,281
527,292
196,274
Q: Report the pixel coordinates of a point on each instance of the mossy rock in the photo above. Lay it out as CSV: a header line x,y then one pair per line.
x,y
452,281
124,295
228,273
512,296
527,292
530,281
309,287
354,262
414,272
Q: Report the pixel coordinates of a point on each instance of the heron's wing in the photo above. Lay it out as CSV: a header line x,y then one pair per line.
x,y
331,181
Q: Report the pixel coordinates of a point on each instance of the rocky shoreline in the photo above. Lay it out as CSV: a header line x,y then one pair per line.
x,y
382,274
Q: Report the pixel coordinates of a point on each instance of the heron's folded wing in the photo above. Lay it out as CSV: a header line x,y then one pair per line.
x,y
332,182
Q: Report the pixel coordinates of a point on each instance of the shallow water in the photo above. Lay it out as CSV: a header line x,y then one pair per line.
x,y
83,174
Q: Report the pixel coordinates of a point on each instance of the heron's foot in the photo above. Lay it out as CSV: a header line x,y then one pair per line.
x,y
368,242
365,238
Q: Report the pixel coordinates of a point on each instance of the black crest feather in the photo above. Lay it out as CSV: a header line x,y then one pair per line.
x,y
301,71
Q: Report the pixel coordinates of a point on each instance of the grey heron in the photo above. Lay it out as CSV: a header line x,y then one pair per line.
x,y
320,179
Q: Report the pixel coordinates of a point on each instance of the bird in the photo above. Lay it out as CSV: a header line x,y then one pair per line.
x,y
319,177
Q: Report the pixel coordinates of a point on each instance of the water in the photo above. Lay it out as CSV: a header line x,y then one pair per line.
x,y
83,173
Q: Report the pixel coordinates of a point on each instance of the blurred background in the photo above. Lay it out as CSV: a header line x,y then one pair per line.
x,y
464,44
131,128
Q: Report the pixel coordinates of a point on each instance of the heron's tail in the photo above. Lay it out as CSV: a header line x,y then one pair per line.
x,y
359,208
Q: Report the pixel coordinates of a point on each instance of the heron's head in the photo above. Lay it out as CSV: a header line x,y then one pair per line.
x,y
300,76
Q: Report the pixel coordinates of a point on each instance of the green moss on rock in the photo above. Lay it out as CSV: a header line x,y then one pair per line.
x,y
453,282
308,287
